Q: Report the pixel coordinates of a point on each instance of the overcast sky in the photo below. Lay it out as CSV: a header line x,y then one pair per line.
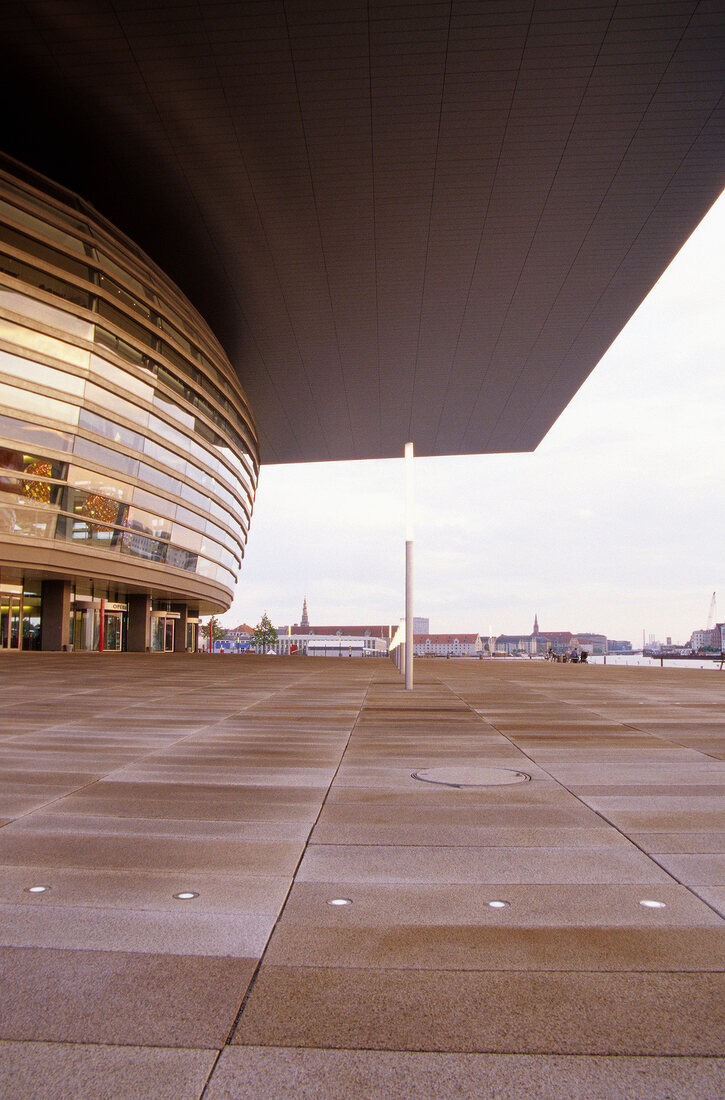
x,y
615,524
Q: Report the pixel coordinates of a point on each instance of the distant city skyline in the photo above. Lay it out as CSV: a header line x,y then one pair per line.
x,y
613,525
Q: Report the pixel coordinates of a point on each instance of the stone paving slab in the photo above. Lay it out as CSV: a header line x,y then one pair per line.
x,y
119,997
388,863
436,947
394,905
489,1011
59,1071
268,1073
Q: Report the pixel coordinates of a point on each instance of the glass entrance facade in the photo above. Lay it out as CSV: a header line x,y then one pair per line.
x,y
113,633
128,452
19,618
10,612
162,633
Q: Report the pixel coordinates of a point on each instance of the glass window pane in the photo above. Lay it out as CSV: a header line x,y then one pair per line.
x,y
44,252
123,321
121,347
124,276
157,526
56,214
44,228
181,559
182,536
121,378
31,522
31,340
168,458
91,481
120,292
159,505
34,464
190,519
95,506
116,433
161,480
44,280
138,542
38,372
104,456
35,434
172,408
113,403
46,314
166,431
194,497
28,402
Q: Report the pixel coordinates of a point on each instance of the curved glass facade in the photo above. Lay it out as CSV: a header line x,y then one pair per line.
x,y
128,453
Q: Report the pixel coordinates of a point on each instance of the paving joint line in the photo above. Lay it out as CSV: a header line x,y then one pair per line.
x,y
257,969
143,757
602,816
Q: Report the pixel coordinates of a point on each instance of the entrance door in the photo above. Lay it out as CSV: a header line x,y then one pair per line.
x,y
10,613
113,631
162,634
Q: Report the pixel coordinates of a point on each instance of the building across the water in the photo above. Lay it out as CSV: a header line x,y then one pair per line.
x,y
128,454
235,640
338,640
447,645
319,643
540,642
707,639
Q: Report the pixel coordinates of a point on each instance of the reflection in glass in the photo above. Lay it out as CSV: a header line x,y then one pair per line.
x,y
28,402
29,371
47,345
158,505
35,434
31,621
111,402
10,618
181,559
91,481
158,526
116,433
138,541
86,448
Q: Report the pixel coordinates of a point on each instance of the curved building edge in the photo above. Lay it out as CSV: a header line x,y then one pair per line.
x,y
129,456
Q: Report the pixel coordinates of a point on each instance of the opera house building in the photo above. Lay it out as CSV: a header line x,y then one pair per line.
x,y
128,454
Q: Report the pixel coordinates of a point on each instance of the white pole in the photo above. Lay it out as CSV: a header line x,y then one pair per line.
x,y
409,567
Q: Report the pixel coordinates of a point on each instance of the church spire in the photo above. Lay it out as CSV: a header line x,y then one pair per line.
x,y
304,621
536,623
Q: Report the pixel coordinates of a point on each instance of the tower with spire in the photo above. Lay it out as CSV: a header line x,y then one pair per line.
x,y
304,621
536,623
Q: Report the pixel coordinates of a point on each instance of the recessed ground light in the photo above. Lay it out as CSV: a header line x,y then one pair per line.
x,y
340,901
185,895
497,904
37,889
650,904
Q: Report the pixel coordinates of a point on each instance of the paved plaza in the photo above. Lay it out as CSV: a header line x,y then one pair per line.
x,y
268,788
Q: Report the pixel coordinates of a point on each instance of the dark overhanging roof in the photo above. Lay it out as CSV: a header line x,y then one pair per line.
x,y
417,220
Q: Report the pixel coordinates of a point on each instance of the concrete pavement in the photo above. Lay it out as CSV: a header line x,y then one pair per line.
x,y
268,788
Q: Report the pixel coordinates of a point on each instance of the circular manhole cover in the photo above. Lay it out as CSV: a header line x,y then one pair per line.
x,y
472,776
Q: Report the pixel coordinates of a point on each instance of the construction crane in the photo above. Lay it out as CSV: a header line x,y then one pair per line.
x,y
712,613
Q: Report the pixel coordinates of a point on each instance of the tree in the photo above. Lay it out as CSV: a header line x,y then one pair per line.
x,y
264,635
214,630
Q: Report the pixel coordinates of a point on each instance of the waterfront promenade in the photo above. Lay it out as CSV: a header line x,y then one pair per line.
x,y
269,787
